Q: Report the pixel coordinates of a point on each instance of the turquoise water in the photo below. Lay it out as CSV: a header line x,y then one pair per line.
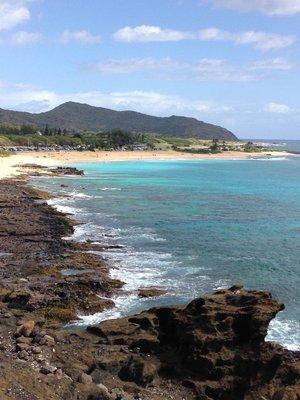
x,y
193,227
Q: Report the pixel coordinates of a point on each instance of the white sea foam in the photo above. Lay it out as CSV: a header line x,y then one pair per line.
x,y
84,232
122,305
285,331
268,144
139,268
269,159
57,200
67,209
80,195
221,284
110,189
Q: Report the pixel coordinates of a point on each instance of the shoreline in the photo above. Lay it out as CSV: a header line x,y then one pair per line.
x,y
10,166
108,353
103,156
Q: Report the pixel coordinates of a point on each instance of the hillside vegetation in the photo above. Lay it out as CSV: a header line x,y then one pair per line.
x,y
83,117
25,137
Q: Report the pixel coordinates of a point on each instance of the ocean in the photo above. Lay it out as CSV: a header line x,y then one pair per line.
x,y
192,227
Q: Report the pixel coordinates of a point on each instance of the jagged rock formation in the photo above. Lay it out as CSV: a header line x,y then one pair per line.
x,y
215,346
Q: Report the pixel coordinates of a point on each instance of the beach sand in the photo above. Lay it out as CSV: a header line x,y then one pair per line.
x,y
10,166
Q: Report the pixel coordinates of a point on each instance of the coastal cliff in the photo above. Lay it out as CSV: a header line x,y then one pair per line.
x,y
212,349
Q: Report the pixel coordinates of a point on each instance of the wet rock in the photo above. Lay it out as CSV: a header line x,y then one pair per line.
x,y
67,171
151,292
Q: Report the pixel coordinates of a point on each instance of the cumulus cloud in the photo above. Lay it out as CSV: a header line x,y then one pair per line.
x,y
83,37
13,13
278,108
205,69
147,33
24,97
259,40
270,7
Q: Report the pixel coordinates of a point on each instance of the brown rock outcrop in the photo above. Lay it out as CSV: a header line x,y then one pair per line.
x,y
215,346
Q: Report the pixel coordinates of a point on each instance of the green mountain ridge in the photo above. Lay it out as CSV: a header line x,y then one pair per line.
x,y
83,117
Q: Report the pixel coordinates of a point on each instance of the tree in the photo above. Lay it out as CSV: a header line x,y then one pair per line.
x,y
27,130
46,131
215,145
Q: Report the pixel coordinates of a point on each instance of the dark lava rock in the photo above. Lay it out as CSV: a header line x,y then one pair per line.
x,y
151,292
215,346
67,171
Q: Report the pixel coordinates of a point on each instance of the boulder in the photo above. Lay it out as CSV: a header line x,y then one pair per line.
x,y
85,378
103,391
47,369
47,340
215,346
26,328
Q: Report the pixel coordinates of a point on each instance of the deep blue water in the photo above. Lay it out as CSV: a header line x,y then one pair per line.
x,y
193,227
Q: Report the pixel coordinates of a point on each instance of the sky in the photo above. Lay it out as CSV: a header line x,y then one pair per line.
x,y
234,63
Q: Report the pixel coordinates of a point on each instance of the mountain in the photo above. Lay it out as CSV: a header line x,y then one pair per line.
x,y
81,117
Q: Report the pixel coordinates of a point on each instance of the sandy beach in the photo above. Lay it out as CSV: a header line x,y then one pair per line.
x,y
10,166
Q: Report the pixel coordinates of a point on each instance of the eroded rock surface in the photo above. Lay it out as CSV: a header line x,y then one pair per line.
x,y
215,346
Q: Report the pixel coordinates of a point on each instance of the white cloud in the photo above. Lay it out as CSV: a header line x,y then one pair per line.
x,y
24,97
24,38
13,13
278,108
147,33
21,38
264,41
125,66
270,7
259,40
83,37
279,64
205,69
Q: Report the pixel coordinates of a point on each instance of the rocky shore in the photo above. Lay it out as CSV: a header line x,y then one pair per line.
x,y
212,349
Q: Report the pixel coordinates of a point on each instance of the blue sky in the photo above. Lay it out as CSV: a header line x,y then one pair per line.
x,y
230,62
